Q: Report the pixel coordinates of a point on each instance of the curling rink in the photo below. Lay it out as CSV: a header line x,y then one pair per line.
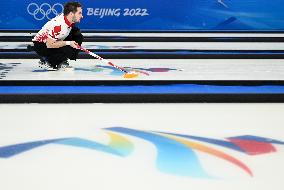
x,y
141,146
205,111
149,69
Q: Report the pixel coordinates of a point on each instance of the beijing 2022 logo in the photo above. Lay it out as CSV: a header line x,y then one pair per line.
x,y
45,10
176,154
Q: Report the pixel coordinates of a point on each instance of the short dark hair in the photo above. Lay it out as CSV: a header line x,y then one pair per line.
x,y
71,7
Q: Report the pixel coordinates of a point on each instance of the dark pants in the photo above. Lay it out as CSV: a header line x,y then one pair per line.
x,y
55,56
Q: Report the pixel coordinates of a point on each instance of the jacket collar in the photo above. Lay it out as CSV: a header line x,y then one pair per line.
x,y
69,24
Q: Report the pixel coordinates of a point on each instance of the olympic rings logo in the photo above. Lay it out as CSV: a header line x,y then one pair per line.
x,y
45,10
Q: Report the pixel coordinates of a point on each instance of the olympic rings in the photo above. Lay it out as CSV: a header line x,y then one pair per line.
x,y
45,10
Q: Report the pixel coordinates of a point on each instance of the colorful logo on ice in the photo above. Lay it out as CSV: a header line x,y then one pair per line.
x,y
176,153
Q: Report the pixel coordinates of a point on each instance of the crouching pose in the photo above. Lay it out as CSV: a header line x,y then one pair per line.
x,y
56,42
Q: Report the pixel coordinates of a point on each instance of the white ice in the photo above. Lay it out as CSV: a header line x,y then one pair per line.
x,y
55,166
174,69
166,45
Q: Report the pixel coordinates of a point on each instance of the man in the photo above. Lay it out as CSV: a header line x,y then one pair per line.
x,y
56,42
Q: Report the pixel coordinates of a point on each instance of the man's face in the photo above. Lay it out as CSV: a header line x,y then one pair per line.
x,y
78,15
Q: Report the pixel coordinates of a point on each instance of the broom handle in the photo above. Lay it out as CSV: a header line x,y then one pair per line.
x,y
102,59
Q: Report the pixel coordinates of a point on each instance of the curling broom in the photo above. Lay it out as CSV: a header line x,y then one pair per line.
x,y
127,74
